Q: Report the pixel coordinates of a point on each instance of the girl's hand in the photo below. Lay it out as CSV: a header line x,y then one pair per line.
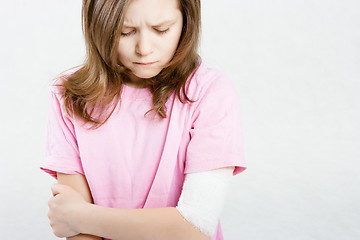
x,y
65,209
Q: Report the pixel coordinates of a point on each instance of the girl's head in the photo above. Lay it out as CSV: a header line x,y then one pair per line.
x,y
144,43
125,33
149,36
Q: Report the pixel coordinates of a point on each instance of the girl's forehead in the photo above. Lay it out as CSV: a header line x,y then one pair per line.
x,y
151,12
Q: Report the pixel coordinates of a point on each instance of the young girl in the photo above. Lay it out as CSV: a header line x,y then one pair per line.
x,y
143,138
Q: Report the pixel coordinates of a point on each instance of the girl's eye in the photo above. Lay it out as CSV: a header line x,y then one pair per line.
x,y
125,34
161,31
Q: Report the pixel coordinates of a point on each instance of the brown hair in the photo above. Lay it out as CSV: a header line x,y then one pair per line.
x,y
98,82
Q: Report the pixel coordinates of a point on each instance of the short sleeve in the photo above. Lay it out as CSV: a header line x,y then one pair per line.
x,y
215,135
62,154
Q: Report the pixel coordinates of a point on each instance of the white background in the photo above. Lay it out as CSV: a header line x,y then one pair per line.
x,y
296,66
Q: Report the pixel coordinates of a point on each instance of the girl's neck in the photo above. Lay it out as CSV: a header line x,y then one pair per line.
x,y
135,82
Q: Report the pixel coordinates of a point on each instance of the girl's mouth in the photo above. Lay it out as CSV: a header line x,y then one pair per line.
x,y
145,63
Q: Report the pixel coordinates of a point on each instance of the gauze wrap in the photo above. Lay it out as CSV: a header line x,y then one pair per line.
x,y
202,198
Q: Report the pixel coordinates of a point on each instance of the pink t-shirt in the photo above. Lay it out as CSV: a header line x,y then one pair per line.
x,y
134,161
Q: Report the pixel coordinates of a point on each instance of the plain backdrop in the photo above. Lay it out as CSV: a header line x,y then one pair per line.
x,y
296,67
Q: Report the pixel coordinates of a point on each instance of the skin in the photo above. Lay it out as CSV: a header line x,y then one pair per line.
x,y
70,215
150,34
79,185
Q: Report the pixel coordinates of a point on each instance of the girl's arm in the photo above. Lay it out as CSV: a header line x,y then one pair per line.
x,y
72,215
78,183
135,224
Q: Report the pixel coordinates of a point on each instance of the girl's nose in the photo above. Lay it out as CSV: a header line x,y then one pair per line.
x,y
143,45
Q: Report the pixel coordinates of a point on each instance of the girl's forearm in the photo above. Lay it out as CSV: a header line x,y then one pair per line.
x,y
137,224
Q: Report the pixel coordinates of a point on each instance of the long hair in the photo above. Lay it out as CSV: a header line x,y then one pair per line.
x,y
99,80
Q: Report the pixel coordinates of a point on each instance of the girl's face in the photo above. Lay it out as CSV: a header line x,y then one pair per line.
x,y
149,37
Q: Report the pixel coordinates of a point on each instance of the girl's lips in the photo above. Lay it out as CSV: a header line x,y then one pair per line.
x,y
144,63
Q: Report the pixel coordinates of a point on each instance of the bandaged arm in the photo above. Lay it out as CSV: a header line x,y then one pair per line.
x,y
202,198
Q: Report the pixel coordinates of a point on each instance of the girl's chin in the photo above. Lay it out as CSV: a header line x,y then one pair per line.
x,y
146,75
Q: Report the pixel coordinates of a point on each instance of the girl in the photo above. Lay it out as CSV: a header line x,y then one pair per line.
x,y
143,138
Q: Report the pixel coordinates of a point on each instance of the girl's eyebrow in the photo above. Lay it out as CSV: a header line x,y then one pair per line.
x,y
167,22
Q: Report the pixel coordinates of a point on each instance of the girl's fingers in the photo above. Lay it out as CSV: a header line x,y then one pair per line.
x,y
56,189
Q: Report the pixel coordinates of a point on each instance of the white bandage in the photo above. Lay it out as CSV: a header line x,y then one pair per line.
x,y
202,198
